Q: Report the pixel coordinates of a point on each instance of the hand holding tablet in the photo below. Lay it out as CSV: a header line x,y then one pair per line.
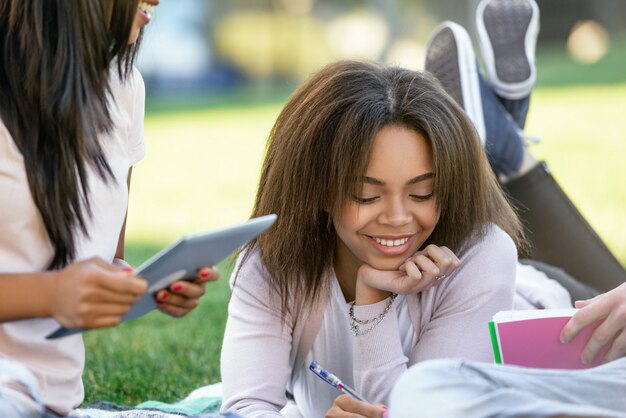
x,y
183,258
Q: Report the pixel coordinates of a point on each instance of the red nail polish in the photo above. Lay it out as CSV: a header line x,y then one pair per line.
x,y
159,302
204,274
177,287
163,295
127,269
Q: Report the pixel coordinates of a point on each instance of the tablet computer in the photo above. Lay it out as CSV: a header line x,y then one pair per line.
x,y
183,258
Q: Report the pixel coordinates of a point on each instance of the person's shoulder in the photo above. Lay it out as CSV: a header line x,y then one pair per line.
x,y
249,270
494,236
488,263
490,238
126,86
135,79
489,249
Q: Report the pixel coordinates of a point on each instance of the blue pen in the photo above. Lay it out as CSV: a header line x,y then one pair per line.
x,y
334,381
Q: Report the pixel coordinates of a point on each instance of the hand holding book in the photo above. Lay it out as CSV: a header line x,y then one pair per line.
x,y
531,338
609,309
183,260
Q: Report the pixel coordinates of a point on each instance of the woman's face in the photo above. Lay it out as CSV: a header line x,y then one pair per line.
x,y
394,213
142,18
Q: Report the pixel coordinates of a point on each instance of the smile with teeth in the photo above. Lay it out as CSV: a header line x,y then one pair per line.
x,y
146,8
391,242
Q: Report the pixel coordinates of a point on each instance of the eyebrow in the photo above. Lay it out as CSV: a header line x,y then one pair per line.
x,y
417,179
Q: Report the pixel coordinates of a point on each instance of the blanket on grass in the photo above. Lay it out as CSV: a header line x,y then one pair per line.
x,y
203,402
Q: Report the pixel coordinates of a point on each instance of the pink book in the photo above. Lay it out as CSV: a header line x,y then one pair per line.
x,y
531,339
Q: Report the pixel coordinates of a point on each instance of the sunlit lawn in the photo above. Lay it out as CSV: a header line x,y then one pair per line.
x,y
201,172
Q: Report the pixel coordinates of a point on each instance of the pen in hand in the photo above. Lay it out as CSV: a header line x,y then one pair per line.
x,y
334,381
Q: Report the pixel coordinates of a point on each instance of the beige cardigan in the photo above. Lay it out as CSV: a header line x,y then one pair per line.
x,y
259,353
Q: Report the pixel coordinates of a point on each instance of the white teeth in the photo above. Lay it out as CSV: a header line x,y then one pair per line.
x,y
147,8
391,243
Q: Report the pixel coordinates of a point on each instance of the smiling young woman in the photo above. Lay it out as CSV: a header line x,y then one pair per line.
x,y
393,242
392,216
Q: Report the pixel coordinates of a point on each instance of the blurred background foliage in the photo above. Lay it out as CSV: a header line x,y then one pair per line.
x,y
217,73
196,46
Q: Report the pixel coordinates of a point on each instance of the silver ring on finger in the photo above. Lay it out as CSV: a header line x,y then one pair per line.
x,y
440,277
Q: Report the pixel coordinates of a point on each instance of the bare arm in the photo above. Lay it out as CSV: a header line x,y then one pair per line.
x,y
25,295
88,294
119,253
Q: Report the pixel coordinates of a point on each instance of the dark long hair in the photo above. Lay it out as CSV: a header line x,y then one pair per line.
x,y
54,100
320,145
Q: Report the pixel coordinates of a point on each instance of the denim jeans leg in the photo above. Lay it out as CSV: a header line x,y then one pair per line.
x,y
455,388
518,109
503,142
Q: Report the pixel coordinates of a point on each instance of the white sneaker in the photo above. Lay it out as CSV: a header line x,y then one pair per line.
x,y
507,34
450,58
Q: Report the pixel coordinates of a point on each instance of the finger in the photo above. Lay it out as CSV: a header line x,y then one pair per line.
x,y
187,289
337,412
105,310
104,322
427,266
412,271
583,303
124,283
103,295
618,348
174,311
167,298
360,408
453,260
582,318
207,274
437,254
600,337
101,315
443,258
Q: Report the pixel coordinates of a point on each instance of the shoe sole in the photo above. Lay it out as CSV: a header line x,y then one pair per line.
x,y
507,32
450,58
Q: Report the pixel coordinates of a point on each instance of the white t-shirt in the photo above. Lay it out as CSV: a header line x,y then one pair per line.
x,y
25,246
333,349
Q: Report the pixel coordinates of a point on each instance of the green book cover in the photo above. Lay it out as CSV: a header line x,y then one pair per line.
x,y
494,343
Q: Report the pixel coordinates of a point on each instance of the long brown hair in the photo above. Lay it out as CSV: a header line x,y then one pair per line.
x,y
321,144
54,99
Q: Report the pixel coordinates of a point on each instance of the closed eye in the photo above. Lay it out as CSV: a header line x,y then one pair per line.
x,y
365,200
421,198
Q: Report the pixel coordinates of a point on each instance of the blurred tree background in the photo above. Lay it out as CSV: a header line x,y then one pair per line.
x,y
223,45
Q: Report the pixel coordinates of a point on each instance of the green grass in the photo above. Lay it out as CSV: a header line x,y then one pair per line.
x,y
158,357
201,172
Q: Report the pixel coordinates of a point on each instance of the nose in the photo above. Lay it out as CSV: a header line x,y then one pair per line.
x,y
395,213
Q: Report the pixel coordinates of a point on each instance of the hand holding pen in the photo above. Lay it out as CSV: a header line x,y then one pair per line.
x,y
350,402
334,381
